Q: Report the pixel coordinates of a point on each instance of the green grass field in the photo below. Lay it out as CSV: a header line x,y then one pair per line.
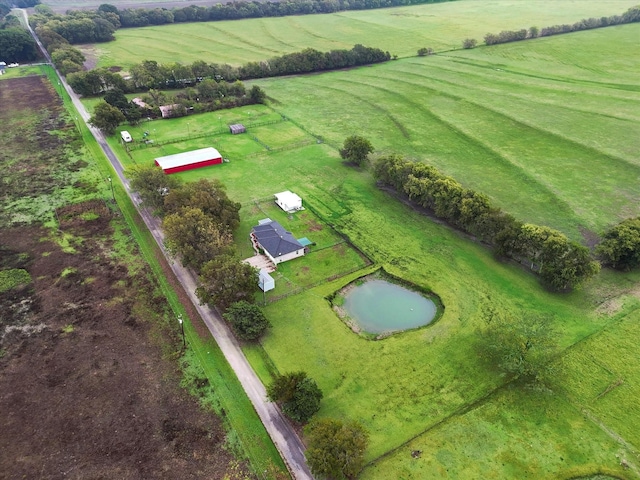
x,y
550,134
401,31
538,126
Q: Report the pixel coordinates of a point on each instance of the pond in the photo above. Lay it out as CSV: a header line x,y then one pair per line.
x,y
378,306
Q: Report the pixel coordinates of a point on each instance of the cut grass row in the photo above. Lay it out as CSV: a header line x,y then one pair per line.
x,y
228,397
401,31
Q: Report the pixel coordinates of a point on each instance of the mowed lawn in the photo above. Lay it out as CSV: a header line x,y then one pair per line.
x,y
401,31
547,128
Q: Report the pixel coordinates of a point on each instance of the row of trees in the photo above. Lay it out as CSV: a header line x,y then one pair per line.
x,y
561,263
151,74
233,10
311,60
207,97
65,57
198,221
630,16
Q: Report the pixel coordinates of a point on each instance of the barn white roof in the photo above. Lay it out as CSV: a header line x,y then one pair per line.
x,y
288,198
187,158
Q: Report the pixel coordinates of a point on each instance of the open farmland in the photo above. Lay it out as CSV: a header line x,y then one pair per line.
x,y
543,127
401,31
550,133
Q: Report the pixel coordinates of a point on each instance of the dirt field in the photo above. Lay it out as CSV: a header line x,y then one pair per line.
x,y
89,386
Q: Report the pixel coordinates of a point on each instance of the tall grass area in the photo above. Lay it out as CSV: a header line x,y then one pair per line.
x,y
401,31
246,434
543,128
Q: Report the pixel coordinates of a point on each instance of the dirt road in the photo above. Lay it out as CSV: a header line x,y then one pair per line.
x,y
282,434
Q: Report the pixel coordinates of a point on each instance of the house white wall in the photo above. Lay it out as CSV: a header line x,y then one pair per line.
x,y
285,258
290,256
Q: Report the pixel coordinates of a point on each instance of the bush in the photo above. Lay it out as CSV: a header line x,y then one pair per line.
x,y
247,320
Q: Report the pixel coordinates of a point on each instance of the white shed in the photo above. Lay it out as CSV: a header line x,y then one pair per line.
x,y
266,281
289,202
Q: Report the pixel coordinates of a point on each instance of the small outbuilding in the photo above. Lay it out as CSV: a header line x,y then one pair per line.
x,y
126,136
289,202
139,102
278,244
181,162
237,128
265,281
167,111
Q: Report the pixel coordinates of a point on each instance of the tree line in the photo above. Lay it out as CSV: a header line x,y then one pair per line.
x,y
198,220
630,16
208,96
76,25
151,74
562,264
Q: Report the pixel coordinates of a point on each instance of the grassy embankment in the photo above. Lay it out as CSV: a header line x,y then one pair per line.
x,y
246,434
476,120
401,31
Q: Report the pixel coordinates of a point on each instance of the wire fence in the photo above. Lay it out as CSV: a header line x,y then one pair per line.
x,y
212,133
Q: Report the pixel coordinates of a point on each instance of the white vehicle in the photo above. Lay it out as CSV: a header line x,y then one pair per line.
x,y
126,136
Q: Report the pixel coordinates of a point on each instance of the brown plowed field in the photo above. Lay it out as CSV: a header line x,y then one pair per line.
x,y
89,387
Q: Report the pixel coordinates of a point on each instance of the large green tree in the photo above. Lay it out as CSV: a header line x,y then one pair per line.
x,y
621,245
335,448
210,196
153,185
356,149
106,117
195,237
16,45
518,345
226,280
298,395
247,320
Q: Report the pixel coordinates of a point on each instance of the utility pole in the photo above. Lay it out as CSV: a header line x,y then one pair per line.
x,y
181,321
113,193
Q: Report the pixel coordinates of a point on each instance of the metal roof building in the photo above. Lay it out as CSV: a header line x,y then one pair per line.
x,y
189,160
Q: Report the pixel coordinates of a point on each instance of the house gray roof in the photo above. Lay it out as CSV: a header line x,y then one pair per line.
x,y
275,239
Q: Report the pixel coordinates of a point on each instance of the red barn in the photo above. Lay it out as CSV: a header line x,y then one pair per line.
x,y
189,160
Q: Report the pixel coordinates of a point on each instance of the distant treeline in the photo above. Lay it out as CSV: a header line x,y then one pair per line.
x,y
630,16
562,264
150,74
75,31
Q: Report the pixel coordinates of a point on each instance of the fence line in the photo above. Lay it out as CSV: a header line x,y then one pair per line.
x,y
221,131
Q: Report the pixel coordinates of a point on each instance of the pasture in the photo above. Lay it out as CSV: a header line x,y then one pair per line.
x,y
550,134
401,31
543,127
